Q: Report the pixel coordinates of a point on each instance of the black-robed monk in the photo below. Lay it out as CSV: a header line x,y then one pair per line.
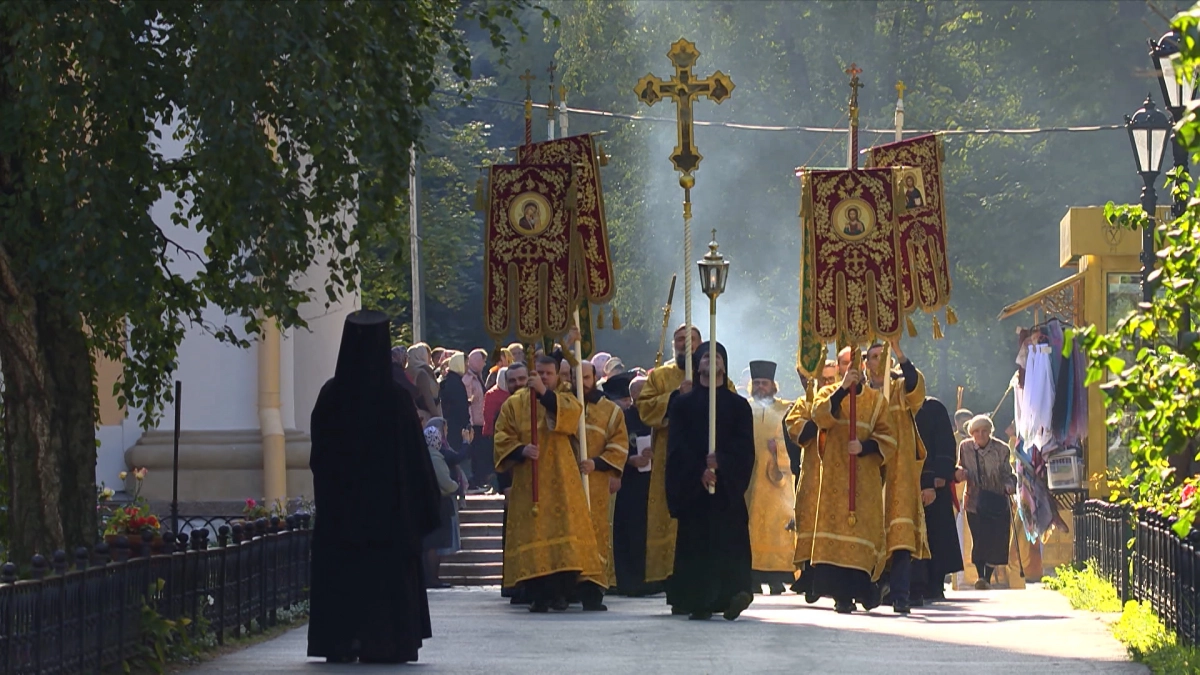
x,y
629,513
377,496
945,550
712,551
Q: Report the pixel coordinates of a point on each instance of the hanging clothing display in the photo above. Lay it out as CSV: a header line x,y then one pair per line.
x,y
1050,418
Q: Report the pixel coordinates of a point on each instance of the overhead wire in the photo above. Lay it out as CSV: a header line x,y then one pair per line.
x,y
809,128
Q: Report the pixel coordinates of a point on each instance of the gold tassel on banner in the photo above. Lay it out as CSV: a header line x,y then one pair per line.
x,y
951,317
937,329
480,198
616,319
912,327
809,394
599,319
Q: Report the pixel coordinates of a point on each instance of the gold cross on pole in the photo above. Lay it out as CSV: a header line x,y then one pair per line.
x,y
528,79
550,107
854,71
900,88
684,88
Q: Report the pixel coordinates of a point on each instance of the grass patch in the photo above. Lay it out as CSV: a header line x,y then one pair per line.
x,y
1141,631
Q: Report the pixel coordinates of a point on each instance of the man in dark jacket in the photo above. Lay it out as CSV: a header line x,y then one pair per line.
x,y
937,481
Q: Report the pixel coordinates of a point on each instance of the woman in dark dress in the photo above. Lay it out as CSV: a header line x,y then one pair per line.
x,y
983,462
377,496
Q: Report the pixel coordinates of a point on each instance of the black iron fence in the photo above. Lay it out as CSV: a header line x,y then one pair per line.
x,y
1140,553
87,615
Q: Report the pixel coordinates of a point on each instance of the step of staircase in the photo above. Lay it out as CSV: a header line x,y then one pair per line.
x,y
481,560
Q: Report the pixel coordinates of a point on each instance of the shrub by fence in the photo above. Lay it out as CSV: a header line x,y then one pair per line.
x,y
1143,557
88,614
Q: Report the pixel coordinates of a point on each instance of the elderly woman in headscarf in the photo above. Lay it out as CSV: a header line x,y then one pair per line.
x,y
445,539
984,463
422,375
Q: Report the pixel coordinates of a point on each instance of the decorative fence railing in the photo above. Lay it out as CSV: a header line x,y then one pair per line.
x,y
1140,553
85,616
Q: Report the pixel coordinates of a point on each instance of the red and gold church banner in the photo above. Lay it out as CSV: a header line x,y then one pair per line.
x,y
595,261
921,222
527,254
851,217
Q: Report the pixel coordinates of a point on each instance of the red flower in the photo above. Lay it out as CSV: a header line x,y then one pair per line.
x,y
1188,495
250,503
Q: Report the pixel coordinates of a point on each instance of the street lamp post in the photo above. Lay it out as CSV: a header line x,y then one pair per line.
x,y
714,273
1148,131
1178,90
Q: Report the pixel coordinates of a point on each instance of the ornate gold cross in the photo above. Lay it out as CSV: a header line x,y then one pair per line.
x,y
684,88
900,88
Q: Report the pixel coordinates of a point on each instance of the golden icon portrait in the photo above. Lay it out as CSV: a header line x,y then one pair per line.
x,y
912,187
853,219
529,214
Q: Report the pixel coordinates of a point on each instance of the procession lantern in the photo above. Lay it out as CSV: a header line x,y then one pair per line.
x,y
714,271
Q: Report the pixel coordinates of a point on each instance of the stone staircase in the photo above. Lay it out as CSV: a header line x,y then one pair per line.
x,y
480,562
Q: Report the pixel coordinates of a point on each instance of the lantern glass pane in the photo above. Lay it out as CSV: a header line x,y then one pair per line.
x,y
1169,75
1141,145
1158,146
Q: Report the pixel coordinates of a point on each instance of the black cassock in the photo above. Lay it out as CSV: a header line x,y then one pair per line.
x,y
376,497
629,519
937,433
712,550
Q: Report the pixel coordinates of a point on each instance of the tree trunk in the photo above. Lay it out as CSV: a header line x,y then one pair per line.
x,y
49,421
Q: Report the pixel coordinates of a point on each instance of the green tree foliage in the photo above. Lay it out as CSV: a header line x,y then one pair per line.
x,y
967,65
295,120
1153,372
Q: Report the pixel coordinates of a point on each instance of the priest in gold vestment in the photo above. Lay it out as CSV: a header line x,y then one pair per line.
x,y
903,510
607,450
848,552
804,441
551,549
772,495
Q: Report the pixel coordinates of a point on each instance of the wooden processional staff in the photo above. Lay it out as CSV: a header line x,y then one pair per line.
x,y
853,71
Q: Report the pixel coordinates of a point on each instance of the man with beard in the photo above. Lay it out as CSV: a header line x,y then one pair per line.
x,y
937,479
629,514
903,513
607,450
772,494
663,383
548,551
712,552
847,551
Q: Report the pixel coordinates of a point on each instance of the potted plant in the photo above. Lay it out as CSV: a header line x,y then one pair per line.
x,y
133,520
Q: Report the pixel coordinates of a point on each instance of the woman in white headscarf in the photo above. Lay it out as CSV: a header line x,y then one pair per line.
x,y
423,377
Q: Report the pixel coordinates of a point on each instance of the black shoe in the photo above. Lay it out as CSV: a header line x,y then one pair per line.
x,y
599,607
436,584
776,589
737,605
341,659
559,605
538,607
699,616
678,611
901,607
811,598
844,607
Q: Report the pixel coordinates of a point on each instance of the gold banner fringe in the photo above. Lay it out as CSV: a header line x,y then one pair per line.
x,y
937,329
951,317
912,327
616,319
480,195
599,318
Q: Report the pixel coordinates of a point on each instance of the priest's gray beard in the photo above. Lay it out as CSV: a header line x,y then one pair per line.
x,y
762,401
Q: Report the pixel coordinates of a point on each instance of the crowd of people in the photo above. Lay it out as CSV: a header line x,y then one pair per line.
x,y
849,492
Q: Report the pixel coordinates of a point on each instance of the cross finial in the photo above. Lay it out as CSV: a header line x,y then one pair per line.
x,y
854,71
551,70
900,88
528,79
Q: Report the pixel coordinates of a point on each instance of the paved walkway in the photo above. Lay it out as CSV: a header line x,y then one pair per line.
x,y
977,633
